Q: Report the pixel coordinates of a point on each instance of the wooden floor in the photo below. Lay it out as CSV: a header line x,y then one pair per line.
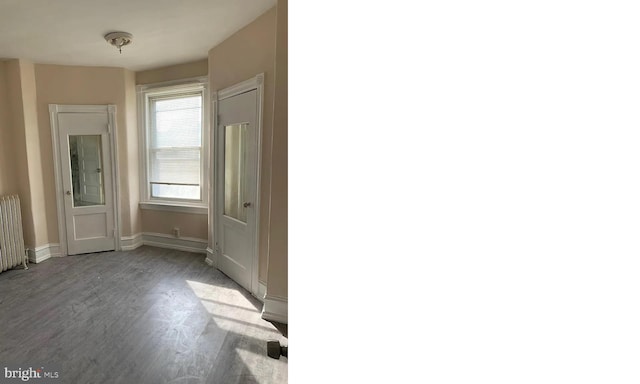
x,y
146,316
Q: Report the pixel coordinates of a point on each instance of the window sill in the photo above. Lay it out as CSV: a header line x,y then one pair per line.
x,y
200,210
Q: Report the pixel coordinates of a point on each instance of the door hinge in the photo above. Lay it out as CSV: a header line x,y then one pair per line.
x,y
109,128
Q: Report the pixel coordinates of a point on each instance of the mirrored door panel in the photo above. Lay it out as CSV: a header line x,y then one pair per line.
x,y
85,152
235,152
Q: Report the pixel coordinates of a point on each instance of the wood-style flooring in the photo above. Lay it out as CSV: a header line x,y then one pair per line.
x,y
150,315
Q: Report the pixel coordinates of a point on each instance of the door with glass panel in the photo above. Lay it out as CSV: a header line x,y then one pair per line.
x,y
236,170
85,156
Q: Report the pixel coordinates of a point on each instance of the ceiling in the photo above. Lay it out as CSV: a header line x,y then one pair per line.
x,y
70,32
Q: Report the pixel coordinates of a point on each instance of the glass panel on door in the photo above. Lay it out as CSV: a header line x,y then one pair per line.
x,y
86,170
235,137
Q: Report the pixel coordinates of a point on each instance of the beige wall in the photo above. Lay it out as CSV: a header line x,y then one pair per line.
x,y
132,154
191,225
34,155
21,92
174,72
8,182
14,96
58,84
277,285
243,55
153,221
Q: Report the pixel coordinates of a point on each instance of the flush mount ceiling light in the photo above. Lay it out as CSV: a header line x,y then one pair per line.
x,y
118,39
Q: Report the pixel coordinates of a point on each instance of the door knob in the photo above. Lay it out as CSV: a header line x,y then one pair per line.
x,y
246,205
98,170
68,193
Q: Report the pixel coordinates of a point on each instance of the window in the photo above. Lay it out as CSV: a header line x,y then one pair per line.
x,y
173,120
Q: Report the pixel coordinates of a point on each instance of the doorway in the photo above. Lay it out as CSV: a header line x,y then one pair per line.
x,y
85,172
237,144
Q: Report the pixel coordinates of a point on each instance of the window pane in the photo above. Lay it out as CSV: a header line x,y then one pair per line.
x,y
191,192
175,141
178,122
181,166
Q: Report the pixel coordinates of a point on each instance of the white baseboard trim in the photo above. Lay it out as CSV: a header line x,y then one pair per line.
x,y
262,291
188,244
43,252
129,243
275,309
211,258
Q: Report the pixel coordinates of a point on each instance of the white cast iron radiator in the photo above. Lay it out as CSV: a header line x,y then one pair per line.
x,y
12,252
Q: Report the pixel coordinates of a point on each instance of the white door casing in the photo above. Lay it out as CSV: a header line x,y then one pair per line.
x,y
85,170
236,165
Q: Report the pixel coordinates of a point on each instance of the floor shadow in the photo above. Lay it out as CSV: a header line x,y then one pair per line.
x,y
281,327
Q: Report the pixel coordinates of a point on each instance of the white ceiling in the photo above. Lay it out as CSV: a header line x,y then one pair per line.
x,y
165,32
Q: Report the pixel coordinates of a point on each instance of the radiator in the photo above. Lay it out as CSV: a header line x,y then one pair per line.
x,y
12,252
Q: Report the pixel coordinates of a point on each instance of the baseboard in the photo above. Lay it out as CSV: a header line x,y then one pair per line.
x,y
43,252
262,291
211,258
275,309
188,244
129,243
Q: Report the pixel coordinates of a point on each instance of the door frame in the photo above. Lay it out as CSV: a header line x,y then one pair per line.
x,y
110,109
254,83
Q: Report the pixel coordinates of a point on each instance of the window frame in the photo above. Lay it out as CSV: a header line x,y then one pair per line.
x,y
145,94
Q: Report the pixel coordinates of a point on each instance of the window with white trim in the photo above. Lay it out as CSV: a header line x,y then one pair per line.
x,y
173,143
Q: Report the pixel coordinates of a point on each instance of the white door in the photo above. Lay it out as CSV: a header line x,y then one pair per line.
x,y
236,187
87,180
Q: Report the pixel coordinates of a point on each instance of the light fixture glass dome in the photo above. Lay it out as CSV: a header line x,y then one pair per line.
x,y
119,39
